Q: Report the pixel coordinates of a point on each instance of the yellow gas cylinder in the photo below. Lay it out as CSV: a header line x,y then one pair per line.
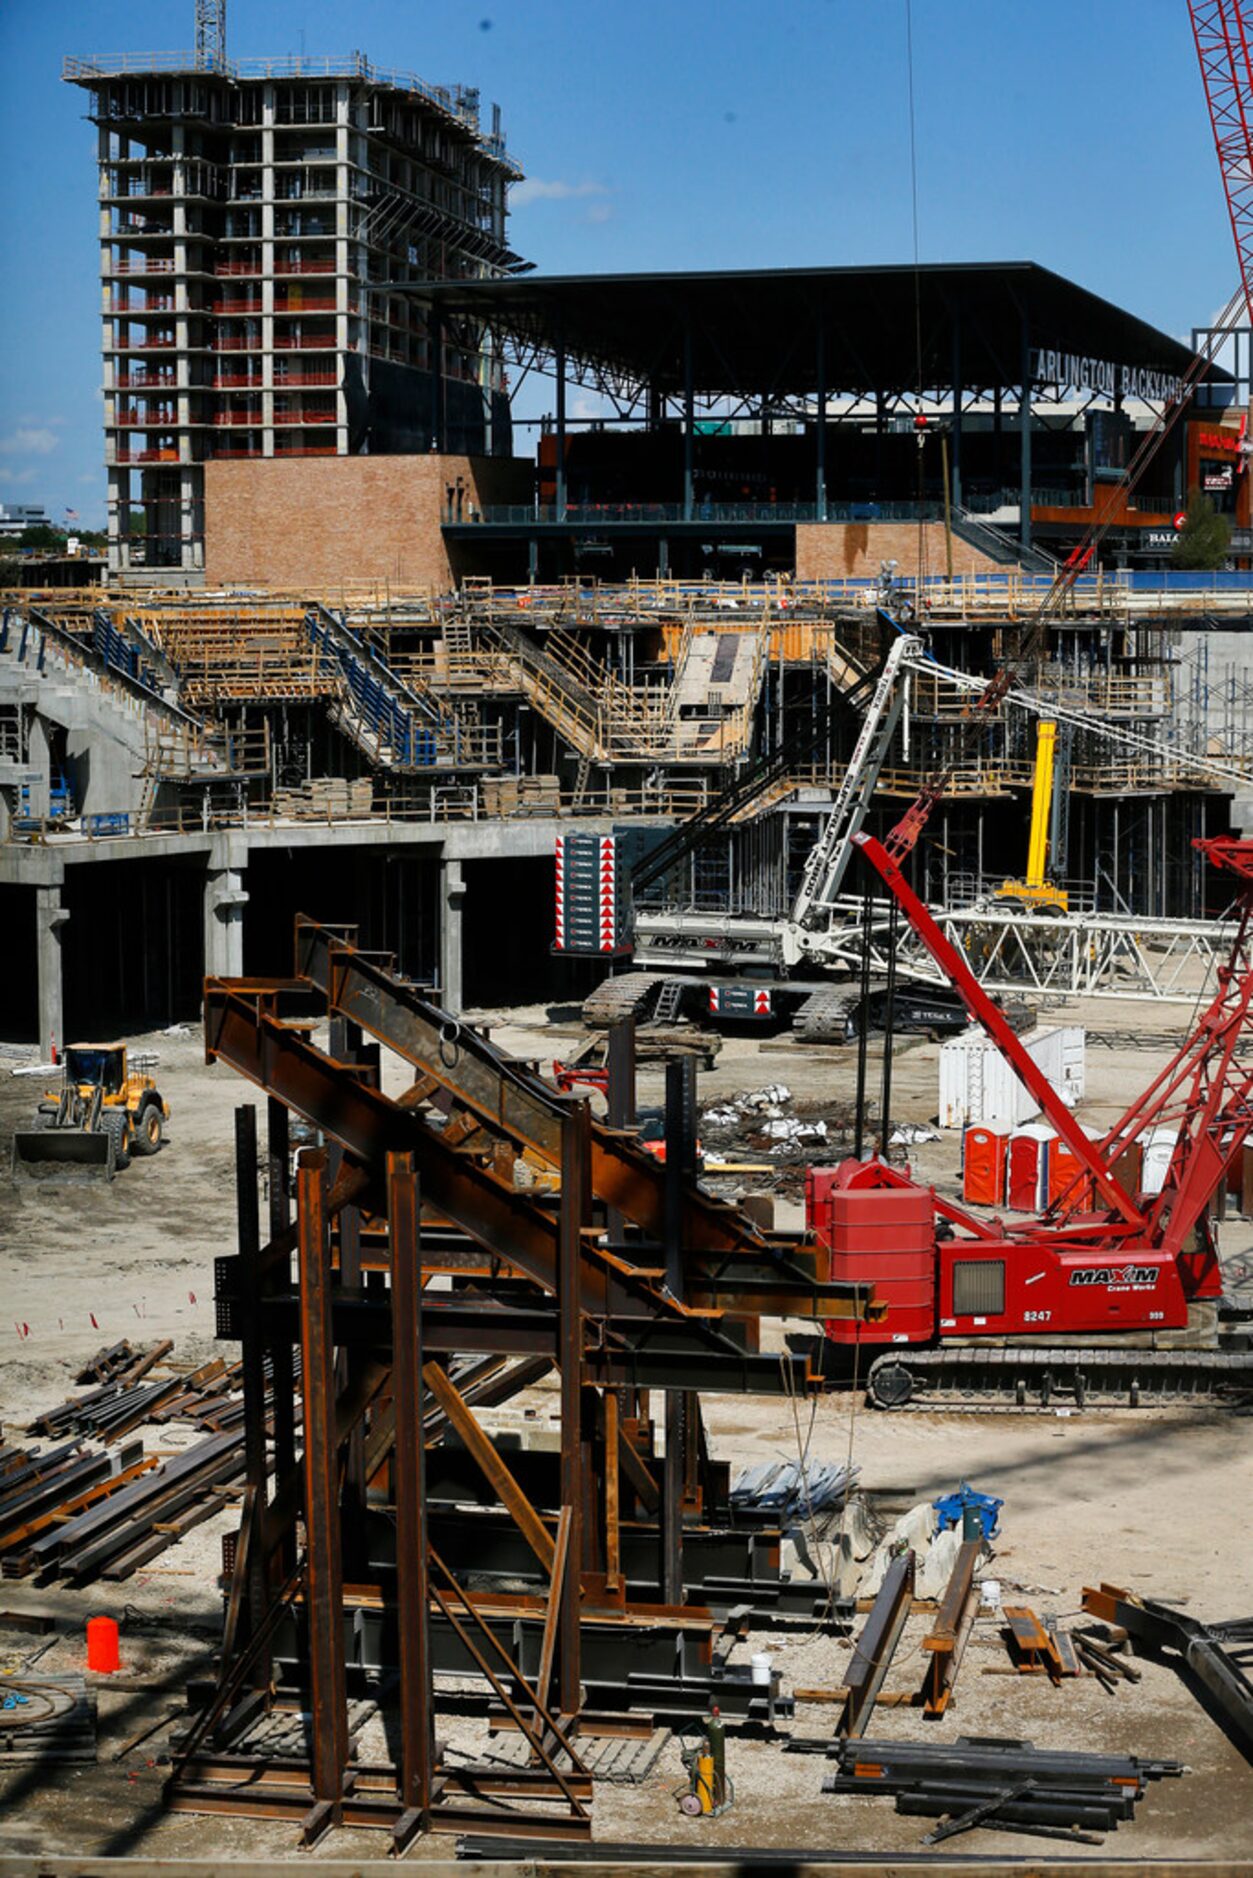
x,y
705,1779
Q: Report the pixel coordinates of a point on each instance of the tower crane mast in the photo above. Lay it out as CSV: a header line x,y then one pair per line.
x,y
210,35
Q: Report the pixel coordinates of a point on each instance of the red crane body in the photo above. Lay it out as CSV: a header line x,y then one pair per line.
x,y
1131,1263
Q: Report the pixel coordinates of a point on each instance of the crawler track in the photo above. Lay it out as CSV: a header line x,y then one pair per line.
x,y
1021,1377
630,994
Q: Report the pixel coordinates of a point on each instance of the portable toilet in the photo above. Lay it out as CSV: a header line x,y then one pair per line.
x,y
1159,1146
1129,1169
1064,1166
1028,1162
1246,1181
983,1165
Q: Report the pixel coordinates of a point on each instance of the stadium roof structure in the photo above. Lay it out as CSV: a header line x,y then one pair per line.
x,y
800,331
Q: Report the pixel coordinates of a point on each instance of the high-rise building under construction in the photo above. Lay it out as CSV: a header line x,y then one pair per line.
x,y
259,222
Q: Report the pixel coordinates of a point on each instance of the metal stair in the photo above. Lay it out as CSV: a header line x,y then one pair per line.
x,y
989,540
391,722
669,998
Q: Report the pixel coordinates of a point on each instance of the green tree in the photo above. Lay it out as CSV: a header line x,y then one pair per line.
x,y
42,536
1204,541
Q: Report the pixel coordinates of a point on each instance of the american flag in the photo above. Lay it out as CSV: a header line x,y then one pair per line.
x,y
71,515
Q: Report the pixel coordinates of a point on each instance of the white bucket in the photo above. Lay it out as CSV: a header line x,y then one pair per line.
x,y
763,1668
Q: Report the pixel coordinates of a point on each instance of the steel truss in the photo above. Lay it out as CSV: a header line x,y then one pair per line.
x,y
1070,955
426,1284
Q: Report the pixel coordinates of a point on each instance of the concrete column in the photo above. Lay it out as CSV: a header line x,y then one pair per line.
x,y
452,893
50,917
39,759
225,898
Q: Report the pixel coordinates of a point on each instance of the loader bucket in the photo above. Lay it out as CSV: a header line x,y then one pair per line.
x,y
74,1151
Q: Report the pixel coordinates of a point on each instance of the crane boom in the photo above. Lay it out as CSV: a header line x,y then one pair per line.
x,y
984,1012
829,858
1222,50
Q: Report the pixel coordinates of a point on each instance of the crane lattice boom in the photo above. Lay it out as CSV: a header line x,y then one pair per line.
x,y
1222,47
210,34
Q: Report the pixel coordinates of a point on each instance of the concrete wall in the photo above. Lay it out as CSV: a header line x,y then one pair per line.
x,y
305,521
854,550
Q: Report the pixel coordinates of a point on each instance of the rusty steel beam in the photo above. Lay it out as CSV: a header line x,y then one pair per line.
x,y
370,1126
416,1696
277,1277
638,1354
252,1353
868,1666
506,1223
946,1641
503,1094
552,1609
546,1724
324,1582
575,1147
481,1449
613,1533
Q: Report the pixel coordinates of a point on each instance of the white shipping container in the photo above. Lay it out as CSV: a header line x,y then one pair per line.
x,y
978,1085
1061,1053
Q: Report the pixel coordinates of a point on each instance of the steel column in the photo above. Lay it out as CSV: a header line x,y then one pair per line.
x,y
559,366
1024,432
252,1353
689,423
956,426
820,402
324,1592
680,1171
416,1698
575,1197
620,1098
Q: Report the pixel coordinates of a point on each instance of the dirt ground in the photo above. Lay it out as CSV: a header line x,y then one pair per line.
x,y
1155,1500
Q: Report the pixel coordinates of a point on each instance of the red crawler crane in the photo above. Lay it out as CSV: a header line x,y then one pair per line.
x,y
1117,1300
1222,49
1135,1278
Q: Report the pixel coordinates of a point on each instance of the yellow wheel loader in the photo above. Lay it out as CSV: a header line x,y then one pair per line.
x,y
105,1110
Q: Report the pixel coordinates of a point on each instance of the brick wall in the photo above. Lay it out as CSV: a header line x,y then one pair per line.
x,y
853,550
304,521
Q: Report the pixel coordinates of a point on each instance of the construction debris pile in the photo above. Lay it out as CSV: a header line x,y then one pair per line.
x,y
782,1134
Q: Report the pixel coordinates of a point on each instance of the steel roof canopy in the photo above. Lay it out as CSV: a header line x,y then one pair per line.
x,y
757,330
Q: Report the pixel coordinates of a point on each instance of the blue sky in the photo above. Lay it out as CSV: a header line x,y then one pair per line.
x,y
672,134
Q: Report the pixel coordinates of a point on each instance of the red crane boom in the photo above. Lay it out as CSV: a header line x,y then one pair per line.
x,y
1222,49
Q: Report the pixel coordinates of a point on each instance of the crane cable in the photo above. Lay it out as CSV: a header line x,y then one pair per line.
x,y
919,432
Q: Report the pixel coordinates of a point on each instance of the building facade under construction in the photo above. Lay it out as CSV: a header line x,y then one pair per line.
x,y
258,223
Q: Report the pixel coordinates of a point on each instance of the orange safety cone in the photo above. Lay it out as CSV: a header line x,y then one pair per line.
x,y
102,1651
